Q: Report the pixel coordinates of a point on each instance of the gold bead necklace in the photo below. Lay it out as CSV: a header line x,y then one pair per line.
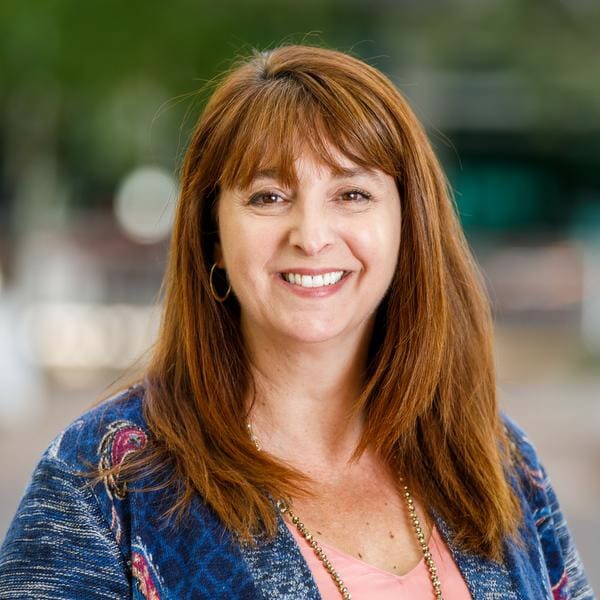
x,y
414,519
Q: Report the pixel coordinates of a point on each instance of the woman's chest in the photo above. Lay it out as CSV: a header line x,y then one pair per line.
x,y
368,521
200,560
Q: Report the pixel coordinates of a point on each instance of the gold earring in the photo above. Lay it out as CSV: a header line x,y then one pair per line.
x,y
212,289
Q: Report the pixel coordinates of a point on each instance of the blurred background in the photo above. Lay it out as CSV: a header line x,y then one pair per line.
x,y
97,101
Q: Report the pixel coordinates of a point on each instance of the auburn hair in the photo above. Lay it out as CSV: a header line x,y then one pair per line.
x,y
429,398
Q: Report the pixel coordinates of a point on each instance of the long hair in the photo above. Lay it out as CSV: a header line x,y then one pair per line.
x,y
429,398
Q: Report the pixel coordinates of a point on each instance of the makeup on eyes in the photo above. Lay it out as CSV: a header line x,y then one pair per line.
x,y
255,198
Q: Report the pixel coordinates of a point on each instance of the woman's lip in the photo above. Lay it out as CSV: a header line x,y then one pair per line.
x,y
312,292
314,271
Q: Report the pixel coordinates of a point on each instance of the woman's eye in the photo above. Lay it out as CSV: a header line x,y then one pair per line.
x,y
264,199
273,198
357,195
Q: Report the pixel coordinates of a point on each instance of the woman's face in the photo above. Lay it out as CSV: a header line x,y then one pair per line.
x,y
284,250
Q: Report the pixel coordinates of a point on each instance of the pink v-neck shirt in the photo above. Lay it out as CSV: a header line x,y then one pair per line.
x,y
366,582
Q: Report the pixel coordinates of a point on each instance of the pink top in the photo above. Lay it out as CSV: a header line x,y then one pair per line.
x,y
366,582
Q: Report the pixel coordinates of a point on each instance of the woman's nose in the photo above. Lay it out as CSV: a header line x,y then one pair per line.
x,y
310,228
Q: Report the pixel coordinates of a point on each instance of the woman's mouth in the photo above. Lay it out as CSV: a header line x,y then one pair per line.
x,y
314,281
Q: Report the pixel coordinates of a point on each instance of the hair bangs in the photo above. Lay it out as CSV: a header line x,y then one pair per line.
x,y
284,120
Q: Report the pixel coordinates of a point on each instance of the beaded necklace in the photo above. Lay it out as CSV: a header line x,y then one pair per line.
x,y
284,508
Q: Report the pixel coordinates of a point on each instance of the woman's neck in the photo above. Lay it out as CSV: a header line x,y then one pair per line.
x,y
304,397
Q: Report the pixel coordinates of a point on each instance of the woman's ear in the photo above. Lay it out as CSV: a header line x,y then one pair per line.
x,y
218,255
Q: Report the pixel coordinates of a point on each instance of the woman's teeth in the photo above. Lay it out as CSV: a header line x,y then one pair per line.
x,y
310,281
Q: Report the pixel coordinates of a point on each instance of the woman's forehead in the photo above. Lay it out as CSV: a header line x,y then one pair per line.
x,y
332,164
322,169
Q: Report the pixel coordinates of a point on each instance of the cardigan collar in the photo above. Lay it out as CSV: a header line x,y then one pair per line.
x,y
280,571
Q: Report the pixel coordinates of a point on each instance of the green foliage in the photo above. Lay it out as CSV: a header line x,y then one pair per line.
x,y
107,85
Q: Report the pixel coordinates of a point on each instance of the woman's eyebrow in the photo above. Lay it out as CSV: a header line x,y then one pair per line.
x,y
265,174
347,173
339,173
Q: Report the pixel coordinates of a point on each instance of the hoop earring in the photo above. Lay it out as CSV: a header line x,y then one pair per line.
x,y
212,289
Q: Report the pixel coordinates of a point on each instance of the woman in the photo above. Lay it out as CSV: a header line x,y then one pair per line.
x,y
319,416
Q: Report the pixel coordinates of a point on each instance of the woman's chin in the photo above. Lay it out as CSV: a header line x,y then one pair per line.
x,y
311,334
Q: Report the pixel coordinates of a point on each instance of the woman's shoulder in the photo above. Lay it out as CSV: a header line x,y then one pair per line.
x,y
526,471
544,517
104,434
73,539
522,450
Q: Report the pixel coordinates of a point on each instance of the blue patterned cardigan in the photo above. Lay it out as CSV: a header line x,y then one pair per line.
x,y
69,540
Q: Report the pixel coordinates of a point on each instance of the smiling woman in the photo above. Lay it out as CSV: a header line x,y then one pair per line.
x,y
319,414
310,243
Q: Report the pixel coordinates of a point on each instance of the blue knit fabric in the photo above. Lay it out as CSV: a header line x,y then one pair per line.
x,y
70,541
